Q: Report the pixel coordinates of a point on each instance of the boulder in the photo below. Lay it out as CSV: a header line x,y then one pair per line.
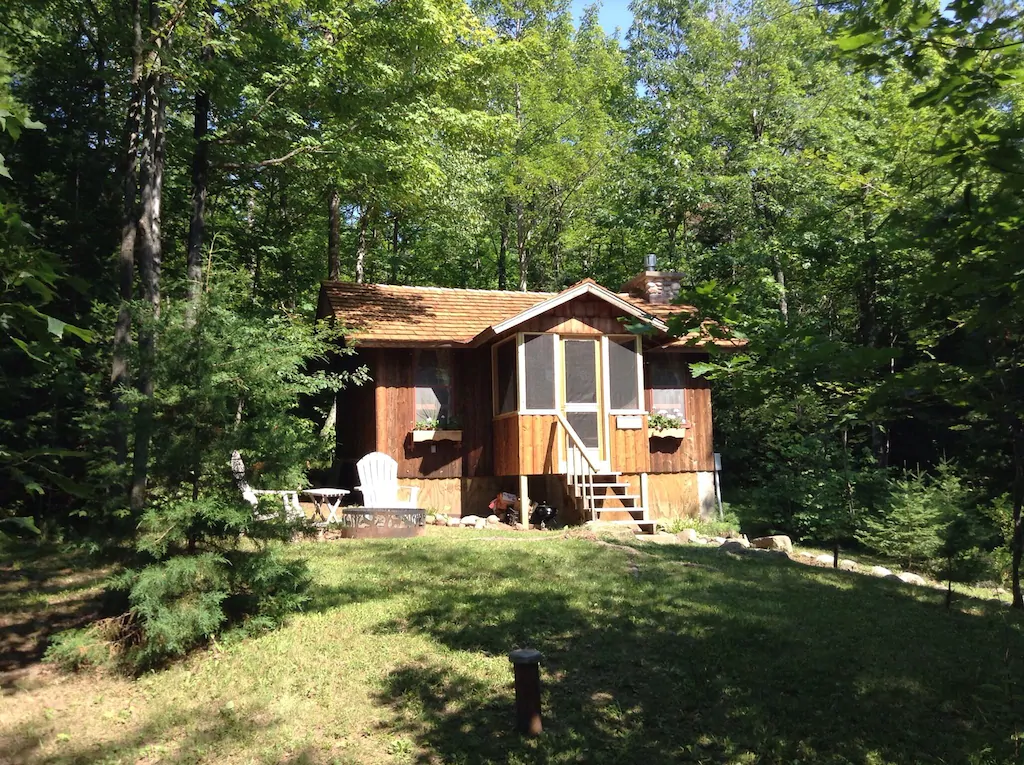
x,y
776,542
880,571
848,565
480,524
453,522
429,519
661,539
825,560
687,535
492,519
440,520
734,546
720,540
470,520
909,578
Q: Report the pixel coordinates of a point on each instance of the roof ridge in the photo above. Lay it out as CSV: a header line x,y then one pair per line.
x,y
438,289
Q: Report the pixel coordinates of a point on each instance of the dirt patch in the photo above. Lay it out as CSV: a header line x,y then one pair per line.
x,y
39,598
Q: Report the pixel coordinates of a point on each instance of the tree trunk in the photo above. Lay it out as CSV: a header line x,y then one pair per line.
x,y
1017,545
150,254
364,221
334,235
396,243
129,222
522,254
503,247
556,247
780,279
200,183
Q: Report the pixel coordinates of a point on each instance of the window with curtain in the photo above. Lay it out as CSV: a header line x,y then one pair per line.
x,y
666,377
506,379
622,374
539,372
434,385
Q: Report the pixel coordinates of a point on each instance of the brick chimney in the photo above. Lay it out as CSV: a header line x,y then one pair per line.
x,y
655,286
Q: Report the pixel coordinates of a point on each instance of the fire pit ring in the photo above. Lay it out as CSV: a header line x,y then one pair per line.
x,y
382,522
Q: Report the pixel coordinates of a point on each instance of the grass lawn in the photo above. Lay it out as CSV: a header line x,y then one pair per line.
x,y
670,654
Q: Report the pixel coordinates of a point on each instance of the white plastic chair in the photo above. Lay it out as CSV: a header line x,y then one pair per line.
x,y
378,478
292,509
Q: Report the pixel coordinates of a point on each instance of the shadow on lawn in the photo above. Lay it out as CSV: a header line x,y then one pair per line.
x,y
740,660
29,617
185,736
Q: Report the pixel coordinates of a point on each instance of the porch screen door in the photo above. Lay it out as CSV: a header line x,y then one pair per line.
x,y
582,391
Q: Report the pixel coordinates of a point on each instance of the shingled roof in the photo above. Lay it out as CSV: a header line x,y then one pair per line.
x,y
392,315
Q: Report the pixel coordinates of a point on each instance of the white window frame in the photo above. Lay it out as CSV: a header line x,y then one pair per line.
x,y
606,363
684,388
521,371
495,401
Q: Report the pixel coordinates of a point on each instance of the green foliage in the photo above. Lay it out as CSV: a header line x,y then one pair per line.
x,y
728,526
658,421
917,520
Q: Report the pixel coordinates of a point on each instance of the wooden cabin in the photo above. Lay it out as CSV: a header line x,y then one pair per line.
x,y
545,395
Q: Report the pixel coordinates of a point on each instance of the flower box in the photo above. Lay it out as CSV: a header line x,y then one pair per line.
x,y
668,433
422,436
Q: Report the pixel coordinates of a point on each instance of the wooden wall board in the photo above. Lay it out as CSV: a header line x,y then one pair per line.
x,y
695,451
506,445
630,451
437,495
473,404
673,495
393,372
538,444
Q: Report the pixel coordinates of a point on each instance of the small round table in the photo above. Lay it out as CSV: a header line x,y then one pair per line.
x,y
326,498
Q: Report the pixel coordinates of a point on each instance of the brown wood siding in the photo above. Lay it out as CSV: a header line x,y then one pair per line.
x,y
506,445
393,372
583,316
695,451
473,404
526,444
629,448
672,495
437,495
355,427
538,444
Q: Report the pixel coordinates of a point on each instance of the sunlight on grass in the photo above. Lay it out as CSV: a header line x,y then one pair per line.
x,y
401,657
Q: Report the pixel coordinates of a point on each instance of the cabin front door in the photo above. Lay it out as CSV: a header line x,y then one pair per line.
x,y
581,392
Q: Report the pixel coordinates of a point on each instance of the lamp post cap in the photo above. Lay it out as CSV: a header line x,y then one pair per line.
x,y
525,656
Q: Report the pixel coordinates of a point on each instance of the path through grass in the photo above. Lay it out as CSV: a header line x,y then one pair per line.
x,y
401,657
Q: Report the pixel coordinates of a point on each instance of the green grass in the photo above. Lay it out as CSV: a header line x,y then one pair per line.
x,y
401,657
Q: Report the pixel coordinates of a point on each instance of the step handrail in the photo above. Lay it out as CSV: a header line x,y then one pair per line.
x,y
579,474
576,440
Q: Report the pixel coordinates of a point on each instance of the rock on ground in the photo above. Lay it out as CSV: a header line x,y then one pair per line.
x,y
454,522
826,560
661,539
776,542
909,578
493,519
734,546
687,535
470,520
880,571
848,565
